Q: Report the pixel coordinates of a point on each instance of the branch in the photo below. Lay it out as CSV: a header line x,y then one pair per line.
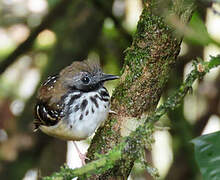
x,y
172,102
148,62
138,136
101,165
56,12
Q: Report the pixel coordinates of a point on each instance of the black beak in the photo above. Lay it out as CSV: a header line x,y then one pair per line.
x,y
107,77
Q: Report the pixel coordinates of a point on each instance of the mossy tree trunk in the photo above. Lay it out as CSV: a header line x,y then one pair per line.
x,y
148,62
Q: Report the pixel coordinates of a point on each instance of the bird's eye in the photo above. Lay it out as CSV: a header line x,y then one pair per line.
x,y
85,80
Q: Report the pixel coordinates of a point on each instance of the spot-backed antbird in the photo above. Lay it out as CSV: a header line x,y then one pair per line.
x,y
72,104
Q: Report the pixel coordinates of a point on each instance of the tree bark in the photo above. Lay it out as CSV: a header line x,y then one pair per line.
x,y
148,62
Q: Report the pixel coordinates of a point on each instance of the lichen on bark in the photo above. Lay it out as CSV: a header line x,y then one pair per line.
x,y
148,61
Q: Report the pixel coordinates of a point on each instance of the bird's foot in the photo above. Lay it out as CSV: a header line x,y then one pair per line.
x,y
81,155
112,112
83,158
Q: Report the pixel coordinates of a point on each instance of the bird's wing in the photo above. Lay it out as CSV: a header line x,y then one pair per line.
x,y
46,115
47,112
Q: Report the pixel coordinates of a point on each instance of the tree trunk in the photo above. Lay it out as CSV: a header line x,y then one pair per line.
x,y
148,62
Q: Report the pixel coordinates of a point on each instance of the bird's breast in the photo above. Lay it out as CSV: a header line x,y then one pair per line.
x,y
84,112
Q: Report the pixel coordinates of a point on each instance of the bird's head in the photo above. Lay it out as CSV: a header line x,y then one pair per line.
x,y
84,76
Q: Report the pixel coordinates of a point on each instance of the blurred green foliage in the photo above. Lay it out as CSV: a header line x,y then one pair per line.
x,y
207,154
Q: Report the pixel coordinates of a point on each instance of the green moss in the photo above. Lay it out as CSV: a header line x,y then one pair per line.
x,y
150,29
152,35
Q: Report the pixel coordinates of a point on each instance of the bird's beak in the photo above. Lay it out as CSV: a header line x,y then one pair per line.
x,y
107,77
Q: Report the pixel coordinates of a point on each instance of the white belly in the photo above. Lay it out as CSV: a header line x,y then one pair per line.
x,y
78,125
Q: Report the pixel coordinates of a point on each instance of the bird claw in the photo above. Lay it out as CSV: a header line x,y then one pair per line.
x,y
83,158
81,155
112,112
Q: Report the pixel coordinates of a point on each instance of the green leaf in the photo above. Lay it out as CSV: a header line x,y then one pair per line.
x,y
198,33
207,154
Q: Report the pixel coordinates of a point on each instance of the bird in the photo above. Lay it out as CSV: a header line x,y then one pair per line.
x,y
71,105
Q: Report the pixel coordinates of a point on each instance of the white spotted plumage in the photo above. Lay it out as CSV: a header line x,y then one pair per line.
x,y
85,112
